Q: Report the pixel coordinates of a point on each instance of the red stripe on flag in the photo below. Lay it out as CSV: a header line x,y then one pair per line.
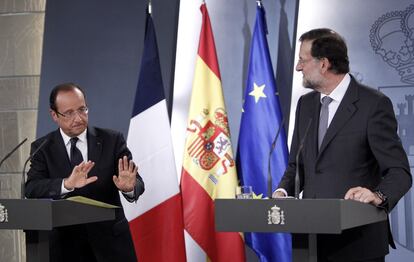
x,y
158,233
198,208
207,47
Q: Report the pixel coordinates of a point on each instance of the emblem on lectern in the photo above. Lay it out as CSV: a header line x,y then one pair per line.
x,y
275,216
3,214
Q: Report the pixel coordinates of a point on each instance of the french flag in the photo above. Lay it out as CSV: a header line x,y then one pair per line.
x,y
156,220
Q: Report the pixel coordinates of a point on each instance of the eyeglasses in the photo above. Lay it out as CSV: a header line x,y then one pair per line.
x,y
83,111
304,61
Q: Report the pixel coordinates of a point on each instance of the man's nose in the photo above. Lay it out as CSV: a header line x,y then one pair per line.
x,y
77,116
298,67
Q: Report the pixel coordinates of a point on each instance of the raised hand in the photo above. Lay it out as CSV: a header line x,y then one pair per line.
x,y
127,175
79,176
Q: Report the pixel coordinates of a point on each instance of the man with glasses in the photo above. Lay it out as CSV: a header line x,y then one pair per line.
x,y
352,149
80,160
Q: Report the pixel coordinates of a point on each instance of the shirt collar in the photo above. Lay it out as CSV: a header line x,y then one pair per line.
x,y
339,92
66,138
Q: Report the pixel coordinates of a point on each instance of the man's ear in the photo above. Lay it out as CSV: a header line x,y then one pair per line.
x,y
325,64
54,115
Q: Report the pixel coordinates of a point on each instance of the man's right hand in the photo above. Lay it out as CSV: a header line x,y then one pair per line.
x,y
278,194
79,176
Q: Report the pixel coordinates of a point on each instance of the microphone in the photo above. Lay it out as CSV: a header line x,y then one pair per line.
x,y
11,152
24,167
301,145
269,173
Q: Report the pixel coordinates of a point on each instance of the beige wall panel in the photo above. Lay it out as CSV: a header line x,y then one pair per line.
x,y
9,138
21,38
26,123
16,6
12,246
10,185
14,127
12,242
19,93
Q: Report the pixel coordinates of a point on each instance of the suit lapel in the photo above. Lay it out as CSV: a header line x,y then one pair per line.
x,y
345,111
313,132
57,146
94,145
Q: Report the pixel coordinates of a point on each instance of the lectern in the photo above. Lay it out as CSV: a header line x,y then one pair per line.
x,y
38,216
299,217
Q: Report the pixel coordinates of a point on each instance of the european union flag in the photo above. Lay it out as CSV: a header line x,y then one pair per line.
x,y
260,121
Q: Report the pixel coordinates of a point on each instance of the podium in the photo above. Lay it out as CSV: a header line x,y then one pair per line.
x,y
303,218
38,216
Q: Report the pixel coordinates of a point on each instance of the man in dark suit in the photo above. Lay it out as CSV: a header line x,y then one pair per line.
x,y
352,149
79,160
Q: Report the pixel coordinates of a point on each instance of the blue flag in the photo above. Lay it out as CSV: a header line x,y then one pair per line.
x,y
260,122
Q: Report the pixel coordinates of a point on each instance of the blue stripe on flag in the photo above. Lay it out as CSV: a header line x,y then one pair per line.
x,y
150,88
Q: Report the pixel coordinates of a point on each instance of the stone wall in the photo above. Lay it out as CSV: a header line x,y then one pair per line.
x,y
21,38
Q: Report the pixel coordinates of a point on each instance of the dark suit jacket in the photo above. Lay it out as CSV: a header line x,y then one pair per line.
x,y
361,148
109,241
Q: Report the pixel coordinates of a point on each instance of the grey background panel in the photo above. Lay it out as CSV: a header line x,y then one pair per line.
x,y
98,44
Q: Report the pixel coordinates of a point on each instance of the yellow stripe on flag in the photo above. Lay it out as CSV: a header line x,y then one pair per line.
x,y
208,153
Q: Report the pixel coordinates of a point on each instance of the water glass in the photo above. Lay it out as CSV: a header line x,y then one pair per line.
x,y
244,192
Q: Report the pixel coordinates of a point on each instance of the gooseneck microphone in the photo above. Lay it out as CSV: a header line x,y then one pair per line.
x,y
269,171
11,152
298,153
24,167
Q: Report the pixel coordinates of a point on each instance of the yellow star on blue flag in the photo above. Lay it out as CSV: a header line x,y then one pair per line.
x,y
257,92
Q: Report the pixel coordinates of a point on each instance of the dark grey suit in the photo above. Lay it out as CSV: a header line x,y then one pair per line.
x,y
108,241
361,148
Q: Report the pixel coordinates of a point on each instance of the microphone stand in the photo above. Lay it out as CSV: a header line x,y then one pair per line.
x,y
24,168
297,177
269,171
11,152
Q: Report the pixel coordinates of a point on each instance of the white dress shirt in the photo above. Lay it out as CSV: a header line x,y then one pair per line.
x,y
82,144
337,95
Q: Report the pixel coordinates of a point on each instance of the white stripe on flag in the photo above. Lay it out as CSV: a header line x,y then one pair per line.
x,y
149,140
188,34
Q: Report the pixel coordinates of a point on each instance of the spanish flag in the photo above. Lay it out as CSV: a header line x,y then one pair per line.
x,y
209,170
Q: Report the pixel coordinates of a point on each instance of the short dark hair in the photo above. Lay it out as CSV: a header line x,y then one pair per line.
x,y
327,43
62,88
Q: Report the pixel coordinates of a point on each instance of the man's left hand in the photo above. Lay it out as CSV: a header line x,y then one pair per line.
x,y
363,195
127,175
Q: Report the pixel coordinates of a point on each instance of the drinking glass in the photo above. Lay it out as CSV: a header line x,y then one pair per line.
x,y
244,192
